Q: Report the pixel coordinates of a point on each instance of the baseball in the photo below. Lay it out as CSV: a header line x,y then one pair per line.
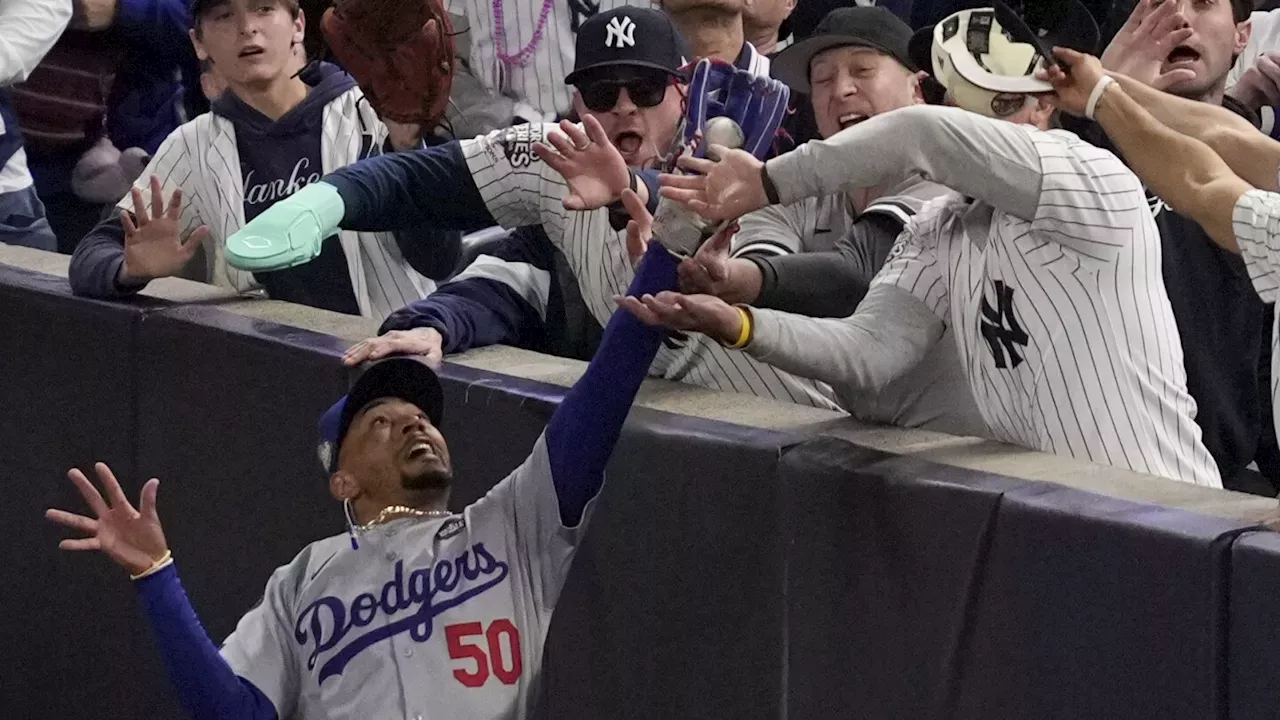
x,y
723,131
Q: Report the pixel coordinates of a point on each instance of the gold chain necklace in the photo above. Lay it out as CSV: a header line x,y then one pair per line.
x,y
404,510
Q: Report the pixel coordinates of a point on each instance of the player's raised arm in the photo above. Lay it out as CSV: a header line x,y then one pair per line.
x,y
1182,170
979,157
134,539
584,429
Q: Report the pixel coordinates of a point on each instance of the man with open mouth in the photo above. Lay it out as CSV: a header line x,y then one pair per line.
x,y
1187,49
629,92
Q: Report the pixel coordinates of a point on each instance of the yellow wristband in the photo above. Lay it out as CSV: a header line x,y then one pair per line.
x,y
156,566
744,336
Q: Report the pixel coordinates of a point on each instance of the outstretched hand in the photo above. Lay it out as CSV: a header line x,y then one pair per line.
x,y
706,314
132,538
723,189
1072,86
153,247
426,342
1142,46
592,167
639,227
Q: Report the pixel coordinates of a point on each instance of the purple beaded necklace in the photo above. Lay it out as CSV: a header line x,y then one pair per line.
x,y
526,52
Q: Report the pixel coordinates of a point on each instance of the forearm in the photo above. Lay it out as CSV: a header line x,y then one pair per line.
x,y
889,334
584,429
397,191
991,160
828,284
820,284
95,266
430,250
28,30
205,683
1249,153
1183,171
473,313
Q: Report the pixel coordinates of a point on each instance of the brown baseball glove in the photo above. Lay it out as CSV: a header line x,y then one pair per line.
x,y
401,52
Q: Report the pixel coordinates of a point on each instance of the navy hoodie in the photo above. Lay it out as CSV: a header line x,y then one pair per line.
x,y
276,159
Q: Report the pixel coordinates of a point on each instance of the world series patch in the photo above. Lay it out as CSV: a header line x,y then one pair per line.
x,y
517,144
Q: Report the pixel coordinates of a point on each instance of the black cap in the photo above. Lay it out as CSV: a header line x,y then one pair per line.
x,y
632,37
870,27
407,378
1044,24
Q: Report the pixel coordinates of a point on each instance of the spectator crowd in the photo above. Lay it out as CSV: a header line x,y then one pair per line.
x,y
139,135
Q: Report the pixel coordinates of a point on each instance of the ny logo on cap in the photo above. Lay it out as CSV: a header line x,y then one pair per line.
x,y
622,33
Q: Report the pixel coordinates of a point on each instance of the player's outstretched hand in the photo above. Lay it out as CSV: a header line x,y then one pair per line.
x,y
723,189
1140,49
591,166
132,538
706,314
424,341
152,245
639,227
1073,86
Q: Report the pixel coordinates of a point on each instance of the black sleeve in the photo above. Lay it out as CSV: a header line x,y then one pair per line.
x,y
828,284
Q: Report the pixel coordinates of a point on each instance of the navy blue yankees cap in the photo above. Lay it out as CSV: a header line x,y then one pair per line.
x,y
406,378
628,37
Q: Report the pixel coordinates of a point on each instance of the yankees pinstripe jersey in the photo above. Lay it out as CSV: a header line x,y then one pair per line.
x,y
202,158
1256,221
935,394
1051,281
539,80
518,189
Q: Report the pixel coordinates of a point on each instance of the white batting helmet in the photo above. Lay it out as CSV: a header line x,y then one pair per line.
x,y
987,57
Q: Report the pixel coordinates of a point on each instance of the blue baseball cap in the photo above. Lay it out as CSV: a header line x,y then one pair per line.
x,y
406,378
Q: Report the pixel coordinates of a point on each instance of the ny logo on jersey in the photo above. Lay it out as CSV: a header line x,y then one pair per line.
x,y
622,33
1001,330
580,10
1158,205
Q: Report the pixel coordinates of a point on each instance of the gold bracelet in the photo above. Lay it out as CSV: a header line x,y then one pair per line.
x,y
744,336
156,566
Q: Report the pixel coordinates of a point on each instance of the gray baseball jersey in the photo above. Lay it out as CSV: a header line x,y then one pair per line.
x,y
1051,281
519,189
438,618
1256,221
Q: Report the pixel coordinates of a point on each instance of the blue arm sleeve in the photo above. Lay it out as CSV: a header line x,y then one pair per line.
x,y
429,186
473,313
207,686
586,426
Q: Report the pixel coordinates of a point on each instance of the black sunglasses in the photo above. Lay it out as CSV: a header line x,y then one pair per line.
x,y
646,92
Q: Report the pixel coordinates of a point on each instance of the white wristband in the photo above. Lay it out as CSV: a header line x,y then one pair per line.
x,y
1096,96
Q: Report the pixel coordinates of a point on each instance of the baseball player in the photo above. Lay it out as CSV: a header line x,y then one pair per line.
x,y
1205,161
502,179
416,611
1050,275
274,131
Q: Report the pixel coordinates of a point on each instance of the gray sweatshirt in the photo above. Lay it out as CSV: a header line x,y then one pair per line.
x,y
817,258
